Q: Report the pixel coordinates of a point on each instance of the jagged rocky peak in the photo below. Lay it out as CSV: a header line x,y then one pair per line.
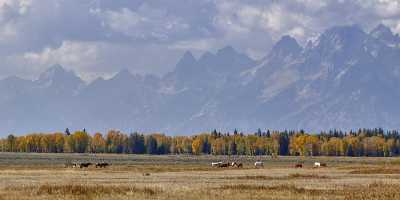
x,y
54,70
345,31
344,34
124,75
187,59
287,45
206,57
381,31
57,74
385,34
339,38
227,51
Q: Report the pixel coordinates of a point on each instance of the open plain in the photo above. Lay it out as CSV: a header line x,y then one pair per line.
x,y
44,176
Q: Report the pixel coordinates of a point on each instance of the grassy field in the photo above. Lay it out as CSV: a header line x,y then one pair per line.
x,y
43,176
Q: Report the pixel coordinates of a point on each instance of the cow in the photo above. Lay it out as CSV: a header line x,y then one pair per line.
x,y
223,165
146,174
84,165
317,164
216,164
324,165
102,165
259,164
238,165
298,165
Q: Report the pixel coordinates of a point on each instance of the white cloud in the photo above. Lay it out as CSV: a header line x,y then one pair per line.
x,y
69,53
200,45
9,11
94,59
385,8
99,37
297,32
144,23
77,56
124,20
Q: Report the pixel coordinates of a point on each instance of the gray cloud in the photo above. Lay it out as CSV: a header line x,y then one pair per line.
x,y
100,37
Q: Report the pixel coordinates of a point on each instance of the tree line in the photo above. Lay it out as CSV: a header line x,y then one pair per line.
x,y
363,142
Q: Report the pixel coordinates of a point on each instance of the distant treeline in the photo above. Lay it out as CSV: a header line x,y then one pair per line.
x,y
363,142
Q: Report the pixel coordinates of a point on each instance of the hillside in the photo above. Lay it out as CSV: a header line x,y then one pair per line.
x,y
345,79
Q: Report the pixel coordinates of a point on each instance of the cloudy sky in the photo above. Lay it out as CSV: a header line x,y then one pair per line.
x,y
100,37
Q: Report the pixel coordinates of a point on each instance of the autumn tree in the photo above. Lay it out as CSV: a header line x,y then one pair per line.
x,y
117,142
81,141
98,143
197,146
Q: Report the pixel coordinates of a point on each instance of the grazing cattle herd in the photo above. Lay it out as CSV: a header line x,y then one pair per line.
x,y
86,164
259,164
227,164
219,164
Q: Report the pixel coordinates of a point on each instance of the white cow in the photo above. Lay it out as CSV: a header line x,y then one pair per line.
x,y
216,164
259,164
317,164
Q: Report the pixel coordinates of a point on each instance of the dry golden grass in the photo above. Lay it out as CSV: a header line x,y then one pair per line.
x,y
173,177
376,170
81,189
289,177
372,191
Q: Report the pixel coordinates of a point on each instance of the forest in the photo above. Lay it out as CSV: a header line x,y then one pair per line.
x,y
362,142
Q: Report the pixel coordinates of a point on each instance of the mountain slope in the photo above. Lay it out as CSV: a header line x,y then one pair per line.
x,y
347,79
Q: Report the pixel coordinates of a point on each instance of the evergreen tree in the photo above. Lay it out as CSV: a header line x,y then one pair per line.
x,y
232,148
283,143
136,143
67,132
11,143
268,133
350,151
151,145
259,133
214,133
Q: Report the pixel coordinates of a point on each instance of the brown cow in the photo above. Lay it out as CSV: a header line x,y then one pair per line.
x,y
102,165
84,165
298,165
224,165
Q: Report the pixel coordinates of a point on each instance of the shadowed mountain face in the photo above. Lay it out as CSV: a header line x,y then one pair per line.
x,y
345,79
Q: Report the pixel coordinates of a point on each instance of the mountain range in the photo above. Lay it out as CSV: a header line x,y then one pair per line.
x,y
345,79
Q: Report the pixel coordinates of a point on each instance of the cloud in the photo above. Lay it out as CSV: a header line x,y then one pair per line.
x,y
94,59
383,8
70,54
144,23
200,44
99,37
10,11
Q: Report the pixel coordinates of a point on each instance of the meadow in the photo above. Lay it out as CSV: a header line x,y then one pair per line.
x,y
44,176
